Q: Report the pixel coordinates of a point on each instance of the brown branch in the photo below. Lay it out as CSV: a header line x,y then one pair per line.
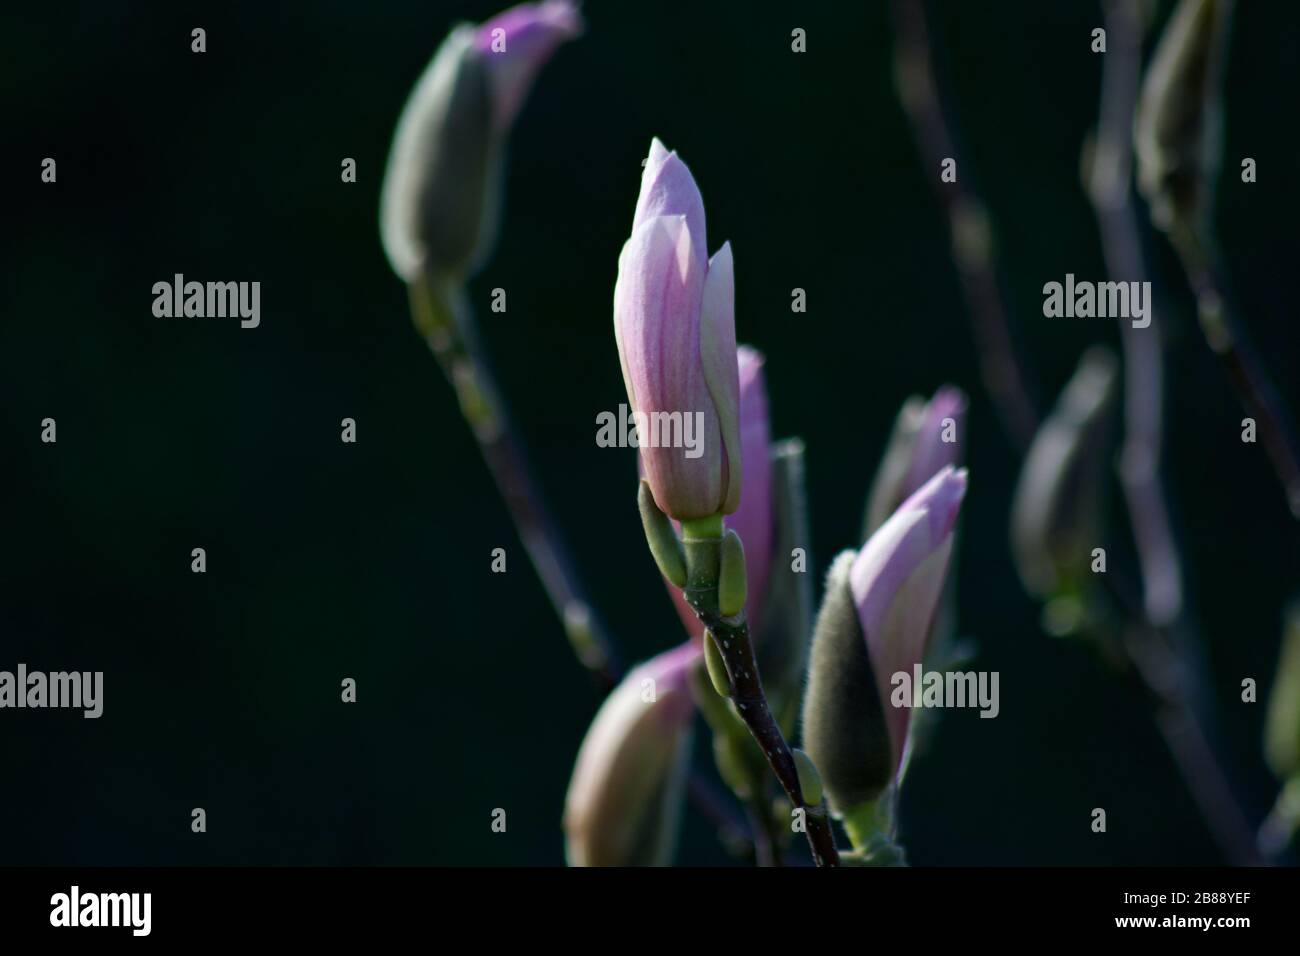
x,y
968,223
442,317
732,637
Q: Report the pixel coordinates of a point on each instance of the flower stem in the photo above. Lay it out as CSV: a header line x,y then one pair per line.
x,y
702,541
1001,369
441,315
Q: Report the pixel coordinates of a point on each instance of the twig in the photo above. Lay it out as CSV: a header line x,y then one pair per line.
x,y
442,317
1227,338
1224,332
1162,675
736,648
1110,187
972,242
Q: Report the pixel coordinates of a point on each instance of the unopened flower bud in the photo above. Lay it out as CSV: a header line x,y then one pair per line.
x,y
441,188
926,436
1172,125
624,801
844,727
1056,509
674,322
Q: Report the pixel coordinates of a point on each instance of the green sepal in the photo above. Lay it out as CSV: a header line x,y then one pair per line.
x,y
716,668
662,537
732,585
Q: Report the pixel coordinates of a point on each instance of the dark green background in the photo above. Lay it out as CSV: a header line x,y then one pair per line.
x,y
371,560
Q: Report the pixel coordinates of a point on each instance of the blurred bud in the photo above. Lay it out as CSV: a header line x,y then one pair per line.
x,y
1282,727
441,188
844,730
624,802
926,436
1057,506
1174,124
674,322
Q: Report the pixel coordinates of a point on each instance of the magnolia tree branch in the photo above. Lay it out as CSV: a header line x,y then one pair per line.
x,y
1197,246
1110,187
442,317
1160,668
731,635
1228,339
972,242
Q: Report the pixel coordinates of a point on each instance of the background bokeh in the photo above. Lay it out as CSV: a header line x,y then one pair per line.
x,y
371,560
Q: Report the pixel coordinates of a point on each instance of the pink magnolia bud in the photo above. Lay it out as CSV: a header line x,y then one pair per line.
x,y
624,801
896,580
754,519
926,436
674,322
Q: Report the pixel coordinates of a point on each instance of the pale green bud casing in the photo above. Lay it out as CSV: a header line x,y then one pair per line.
x,y
844,728
715,666
441,189
665,546
785,631
1282,726
732,586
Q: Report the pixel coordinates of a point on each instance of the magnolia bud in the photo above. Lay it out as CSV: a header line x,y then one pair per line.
x,y
844,730
624,801
441,189
674,323
1056,509
1174,127
926,436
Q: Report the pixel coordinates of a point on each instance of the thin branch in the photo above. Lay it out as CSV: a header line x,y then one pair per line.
x,y
732,637
1110,187
968,223
1225,333
442,317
